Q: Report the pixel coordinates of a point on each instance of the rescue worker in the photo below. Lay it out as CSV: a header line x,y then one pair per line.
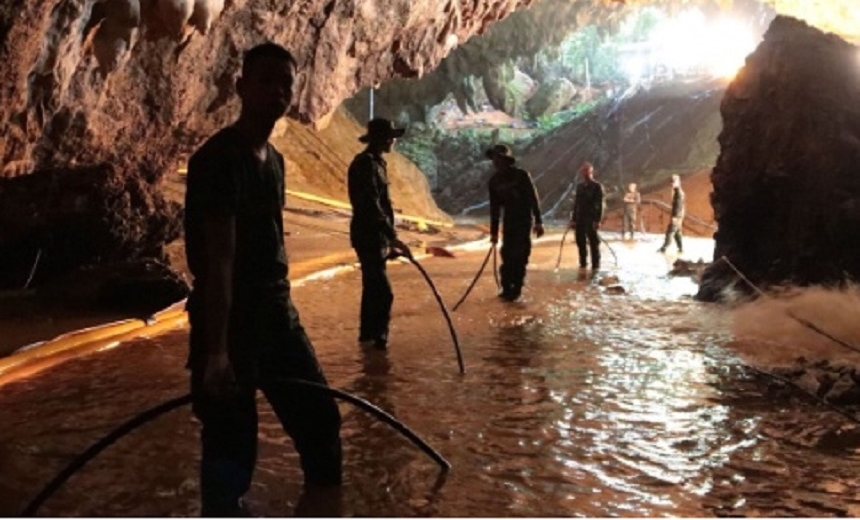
x,y
245,330
676,223
512,192
371,230
588,206
632,200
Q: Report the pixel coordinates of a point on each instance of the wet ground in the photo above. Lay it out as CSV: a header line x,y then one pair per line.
x,y
586,398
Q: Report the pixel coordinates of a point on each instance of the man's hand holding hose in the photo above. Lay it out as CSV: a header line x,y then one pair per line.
x,y
397,248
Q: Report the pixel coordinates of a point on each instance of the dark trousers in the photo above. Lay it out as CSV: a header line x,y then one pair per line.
x,y
586,234
674,230
267,345
628,223
515,251
376,295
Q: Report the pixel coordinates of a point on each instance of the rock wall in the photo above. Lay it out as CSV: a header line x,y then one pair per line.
x,y
130,81
486,60
130,87
787,181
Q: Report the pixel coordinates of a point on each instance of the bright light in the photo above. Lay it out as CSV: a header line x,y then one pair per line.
x,y
691,45
730,43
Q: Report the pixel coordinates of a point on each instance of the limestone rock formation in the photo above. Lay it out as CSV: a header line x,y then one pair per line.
x,y
131,82
130,87
56,220
519,36
508,88
551,97
787,181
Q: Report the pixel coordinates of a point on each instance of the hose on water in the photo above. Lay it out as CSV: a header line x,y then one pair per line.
x,y
474,280
441,306
153,413
599,236
561,247
614,256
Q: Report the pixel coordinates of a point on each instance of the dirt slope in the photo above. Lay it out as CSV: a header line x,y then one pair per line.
x,y
318,162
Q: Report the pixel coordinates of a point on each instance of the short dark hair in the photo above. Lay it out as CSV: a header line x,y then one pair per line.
x,y
265,50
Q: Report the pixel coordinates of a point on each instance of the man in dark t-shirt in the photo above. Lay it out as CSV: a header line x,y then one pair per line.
x,y
513,193
245,331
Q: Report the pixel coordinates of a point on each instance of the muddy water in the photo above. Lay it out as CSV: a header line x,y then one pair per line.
x,y
576,402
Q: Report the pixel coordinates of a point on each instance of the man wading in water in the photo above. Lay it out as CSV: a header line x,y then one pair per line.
x,y
588,206
676,222
245,331
512,191
371,230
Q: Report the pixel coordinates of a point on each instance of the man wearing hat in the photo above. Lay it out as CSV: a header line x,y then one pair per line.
x,y
512,191
371,230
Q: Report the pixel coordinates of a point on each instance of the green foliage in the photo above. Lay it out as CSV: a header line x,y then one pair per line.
x,y
601,50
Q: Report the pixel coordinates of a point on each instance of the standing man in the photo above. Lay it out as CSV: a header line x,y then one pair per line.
x,y
588,206
245,331
512,191
371,230
632,200
677,221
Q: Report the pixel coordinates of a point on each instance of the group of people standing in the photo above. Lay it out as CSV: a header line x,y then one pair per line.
x,y
245,331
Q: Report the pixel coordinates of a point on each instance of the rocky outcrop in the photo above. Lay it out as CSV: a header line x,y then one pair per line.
x,y
131,82
131,86
551,97
787,181
56,220
134,85
508,88
519,36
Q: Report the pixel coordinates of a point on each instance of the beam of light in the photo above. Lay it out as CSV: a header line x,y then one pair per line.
x,y
689,45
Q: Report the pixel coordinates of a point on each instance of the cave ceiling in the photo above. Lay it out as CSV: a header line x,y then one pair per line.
x,y
138,82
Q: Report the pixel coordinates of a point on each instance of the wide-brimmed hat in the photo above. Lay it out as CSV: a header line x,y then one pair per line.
x,y
381,128
500,150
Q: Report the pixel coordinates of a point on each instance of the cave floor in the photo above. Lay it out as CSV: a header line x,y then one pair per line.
x,y
607,394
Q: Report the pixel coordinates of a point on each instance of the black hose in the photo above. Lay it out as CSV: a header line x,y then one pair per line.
x,y
444,311
153,413
561,247
609,247
33,269
98,447
474,280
